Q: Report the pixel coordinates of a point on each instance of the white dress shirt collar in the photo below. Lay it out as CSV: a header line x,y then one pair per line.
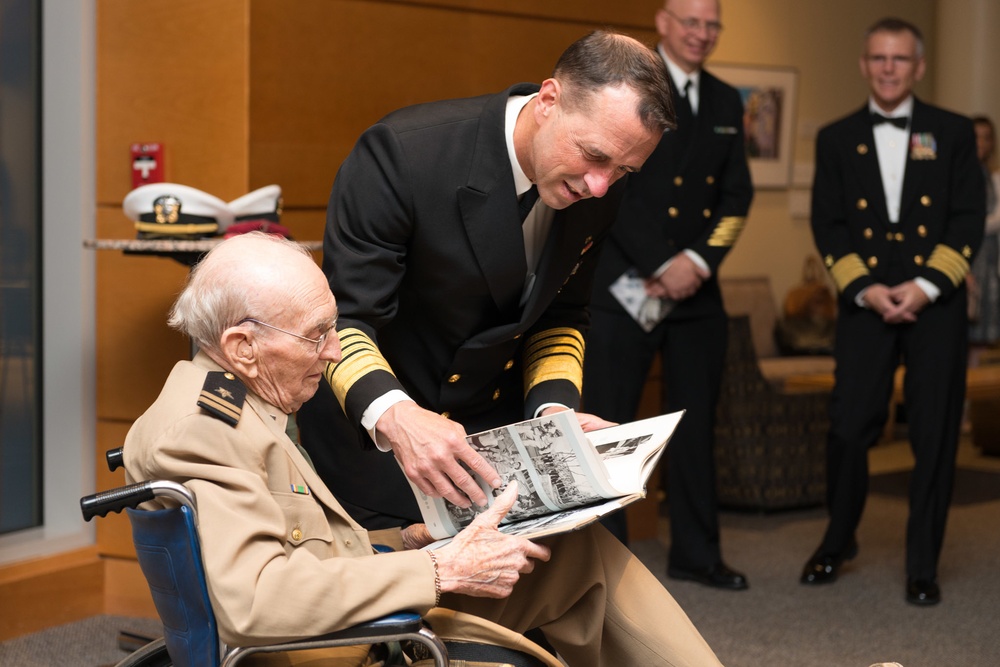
x,y
905,108
680,78
514,105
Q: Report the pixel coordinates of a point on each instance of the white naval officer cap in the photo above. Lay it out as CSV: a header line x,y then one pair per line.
x,y
261,204
259,210
172,210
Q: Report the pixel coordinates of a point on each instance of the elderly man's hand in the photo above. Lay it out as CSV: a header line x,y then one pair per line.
x,y
432,450
416,536
483,562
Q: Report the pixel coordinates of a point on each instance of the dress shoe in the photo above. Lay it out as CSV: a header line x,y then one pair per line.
x,y
823,568
923,592
716,576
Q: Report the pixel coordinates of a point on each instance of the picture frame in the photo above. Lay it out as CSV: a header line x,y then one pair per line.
x,y
769,101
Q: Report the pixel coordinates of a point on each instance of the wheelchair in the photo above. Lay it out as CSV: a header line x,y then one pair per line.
x,y
169,554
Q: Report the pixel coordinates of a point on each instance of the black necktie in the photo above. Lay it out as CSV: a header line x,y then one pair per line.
x,y
685,120
527,202
899,121
685,112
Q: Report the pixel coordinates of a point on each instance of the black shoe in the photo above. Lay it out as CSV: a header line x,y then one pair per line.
x,y
923,592
823,568
716,576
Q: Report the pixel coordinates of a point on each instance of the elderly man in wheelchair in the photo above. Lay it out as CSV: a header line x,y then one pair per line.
x,y
283,561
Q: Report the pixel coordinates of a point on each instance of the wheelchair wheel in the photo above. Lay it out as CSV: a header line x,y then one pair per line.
x,y
153,654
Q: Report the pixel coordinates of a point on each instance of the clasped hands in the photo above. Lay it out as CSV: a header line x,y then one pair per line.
x,y
679,281
897,305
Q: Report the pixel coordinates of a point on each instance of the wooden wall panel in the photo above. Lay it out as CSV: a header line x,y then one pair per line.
x,y
49,591
637,13
114,536
126,592
173,71
321,74
306,225
135,348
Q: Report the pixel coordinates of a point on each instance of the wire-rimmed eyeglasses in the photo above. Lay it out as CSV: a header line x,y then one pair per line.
x,y
693,24
319,342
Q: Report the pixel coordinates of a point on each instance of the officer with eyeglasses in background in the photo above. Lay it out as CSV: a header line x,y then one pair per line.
x,y
681,215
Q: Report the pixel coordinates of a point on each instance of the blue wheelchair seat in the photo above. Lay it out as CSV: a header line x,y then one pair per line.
x,y
169,554
171,560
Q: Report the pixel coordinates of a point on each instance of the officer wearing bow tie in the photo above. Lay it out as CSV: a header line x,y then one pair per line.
x,y
897,214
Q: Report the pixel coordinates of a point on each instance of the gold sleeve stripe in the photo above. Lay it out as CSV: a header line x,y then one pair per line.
x,y
555,354
950,262
540,344
360,357
847,269
727,231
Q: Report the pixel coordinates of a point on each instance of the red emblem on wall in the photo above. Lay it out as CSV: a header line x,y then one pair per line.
x,y
147,164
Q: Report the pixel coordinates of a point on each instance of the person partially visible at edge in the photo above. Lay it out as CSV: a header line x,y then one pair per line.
x,y
983,280
456,316
897,214
283,560
680,217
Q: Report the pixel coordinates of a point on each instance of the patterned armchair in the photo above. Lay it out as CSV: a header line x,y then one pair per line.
x,y
770,446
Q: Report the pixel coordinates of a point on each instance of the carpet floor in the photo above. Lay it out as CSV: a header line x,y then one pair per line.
x,y
862,618
92,642
971,486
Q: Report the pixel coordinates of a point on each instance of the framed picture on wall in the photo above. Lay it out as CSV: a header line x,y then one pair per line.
x,y
769,96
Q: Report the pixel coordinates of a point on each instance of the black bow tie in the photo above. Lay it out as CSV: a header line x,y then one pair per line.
x,y
900,121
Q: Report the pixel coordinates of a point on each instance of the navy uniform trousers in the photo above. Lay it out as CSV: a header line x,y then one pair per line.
x,y
867,351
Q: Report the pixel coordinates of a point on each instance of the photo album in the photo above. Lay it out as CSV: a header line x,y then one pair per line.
x,y
566,478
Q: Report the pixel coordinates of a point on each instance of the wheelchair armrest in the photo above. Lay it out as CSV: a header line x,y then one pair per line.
x,y
399,623
395,627
133,495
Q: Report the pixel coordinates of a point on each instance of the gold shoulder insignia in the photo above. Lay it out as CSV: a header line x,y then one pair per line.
x,y
222,396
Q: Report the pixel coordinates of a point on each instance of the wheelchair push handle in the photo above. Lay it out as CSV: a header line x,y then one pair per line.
x,y
115,458
115,500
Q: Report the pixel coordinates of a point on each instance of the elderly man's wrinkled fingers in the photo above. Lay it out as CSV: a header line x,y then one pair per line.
x,y
537,551
416,536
